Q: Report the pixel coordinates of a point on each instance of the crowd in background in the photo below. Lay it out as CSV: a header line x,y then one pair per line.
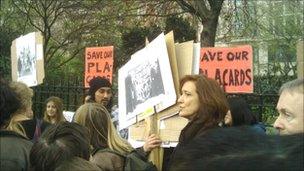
x,y
222,133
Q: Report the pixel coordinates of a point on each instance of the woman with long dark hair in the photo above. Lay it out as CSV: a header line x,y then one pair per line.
x,y
240,114
203,103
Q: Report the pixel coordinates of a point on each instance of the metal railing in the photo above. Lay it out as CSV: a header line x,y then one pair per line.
x,y
72,91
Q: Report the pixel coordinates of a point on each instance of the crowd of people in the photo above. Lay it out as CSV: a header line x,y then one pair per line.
x,y
222,132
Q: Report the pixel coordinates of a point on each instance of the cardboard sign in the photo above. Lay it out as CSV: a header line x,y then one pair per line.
x,y
169,37
231,67
98,62
170,128
27,59
184,56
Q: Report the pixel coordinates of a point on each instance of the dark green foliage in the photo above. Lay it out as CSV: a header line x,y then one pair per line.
x,y
265,97
75,67
5,67
269,86
134,39
8,32
6,38
182,29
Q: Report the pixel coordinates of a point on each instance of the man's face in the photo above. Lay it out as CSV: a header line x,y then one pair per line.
x,y
103,95
290,108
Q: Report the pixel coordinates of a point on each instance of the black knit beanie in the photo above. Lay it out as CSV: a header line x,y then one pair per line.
x,y
96,83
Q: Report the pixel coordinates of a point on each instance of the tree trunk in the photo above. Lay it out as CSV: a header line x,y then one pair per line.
x,y
209,20
208,12
209,32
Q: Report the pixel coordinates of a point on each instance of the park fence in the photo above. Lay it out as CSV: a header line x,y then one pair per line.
x,y
70,89
73,93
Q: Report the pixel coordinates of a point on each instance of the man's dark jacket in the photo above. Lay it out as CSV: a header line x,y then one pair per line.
x,y
14,151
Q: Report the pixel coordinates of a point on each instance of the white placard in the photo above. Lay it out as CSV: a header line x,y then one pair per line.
x,y
68,115
146,81
196,58
26,59
39,51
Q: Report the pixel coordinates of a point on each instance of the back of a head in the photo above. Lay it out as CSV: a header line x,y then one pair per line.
x,y
240,112
24,94
77,164
103,133
59,143
96,118
9,103
240,148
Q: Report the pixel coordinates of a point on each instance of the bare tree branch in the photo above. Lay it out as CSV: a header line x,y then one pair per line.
x,y
186,6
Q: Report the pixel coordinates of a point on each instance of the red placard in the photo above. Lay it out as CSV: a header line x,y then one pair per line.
x,y
98,62
230,66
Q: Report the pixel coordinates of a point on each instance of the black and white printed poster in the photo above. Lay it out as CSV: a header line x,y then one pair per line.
x,y
146,81
26,59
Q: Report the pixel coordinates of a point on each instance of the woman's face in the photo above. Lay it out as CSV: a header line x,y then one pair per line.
x,y
51,109
188,101
228,119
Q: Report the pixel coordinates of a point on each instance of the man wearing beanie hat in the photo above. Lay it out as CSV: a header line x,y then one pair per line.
x,y
100,91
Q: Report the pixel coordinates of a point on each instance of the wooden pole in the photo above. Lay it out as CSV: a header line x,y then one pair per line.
x,y
156,155
300,60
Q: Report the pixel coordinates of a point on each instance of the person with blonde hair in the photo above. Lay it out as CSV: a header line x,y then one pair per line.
x,y
103,135
54,110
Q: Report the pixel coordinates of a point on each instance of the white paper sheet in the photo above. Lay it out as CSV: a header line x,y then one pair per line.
x,y
26,59
146,81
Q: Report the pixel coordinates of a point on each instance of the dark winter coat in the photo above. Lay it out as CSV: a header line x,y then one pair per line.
x,y
15,151
192,130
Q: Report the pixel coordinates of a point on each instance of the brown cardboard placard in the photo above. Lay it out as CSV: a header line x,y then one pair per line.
x,y
180,57
173,61
140,130
171,127
173,123
300,60
14,61
40,58
184,56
